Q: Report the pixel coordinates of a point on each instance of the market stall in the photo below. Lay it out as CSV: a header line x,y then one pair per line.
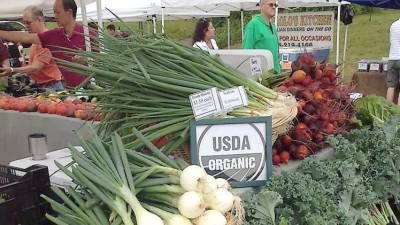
x,y
181,133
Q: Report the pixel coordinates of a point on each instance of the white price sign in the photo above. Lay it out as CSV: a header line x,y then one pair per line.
x,y
255,66
205,103
233,98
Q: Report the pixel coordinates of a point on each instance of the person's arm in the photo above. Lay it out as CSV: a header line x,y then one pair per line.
x,y
17,36
5,63
33,68
248,37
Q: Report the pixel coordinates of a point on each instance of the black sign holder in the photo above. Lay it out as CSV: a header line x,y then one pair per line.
x,y
194,144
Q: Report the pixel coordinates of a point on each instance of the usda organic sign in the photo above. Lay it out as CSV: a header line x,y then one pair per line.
x,y
237,149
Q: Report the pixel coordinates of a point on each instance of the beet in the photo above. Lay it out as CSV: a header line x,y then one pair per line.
x,y
307,81
329,128
318,74
294,90
302,136
313,126
324,116
302,152
274,151
296,65
335,94
293,149
326,80
309,108
308,119
286,140
276,160
278,144
318,137
307,95
314,86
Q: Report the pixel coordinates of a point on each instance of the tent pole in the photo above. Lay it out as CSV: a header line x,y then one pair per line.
x,y
229,32
338,38
154,24
242,22
276,14
345,49
85,26
162,19
99,15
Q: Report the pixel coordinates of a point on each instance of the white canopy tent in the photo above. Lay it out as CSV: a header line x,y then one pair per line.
x,y
13,9
145,10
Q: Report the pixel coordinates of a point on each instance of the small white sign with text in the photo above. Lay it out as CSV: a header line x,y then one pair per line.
x,y
255,66
205,103
233,98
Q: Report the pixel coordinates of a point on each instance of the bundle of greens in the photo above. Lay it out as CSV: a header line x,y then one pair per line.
x,y
120,186
375,110
147,81
352,188
271,80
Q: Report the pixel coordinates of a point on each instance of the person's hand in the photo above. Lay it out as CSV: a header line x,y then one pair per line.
x,y
5,71
79,59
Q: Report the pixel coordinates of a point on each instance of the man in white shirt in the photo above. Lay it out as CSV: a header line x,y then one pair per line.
x,y
393,74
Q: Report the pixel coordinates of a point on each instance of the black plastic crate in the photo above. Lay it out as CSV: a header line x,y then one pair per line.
x,y
20,191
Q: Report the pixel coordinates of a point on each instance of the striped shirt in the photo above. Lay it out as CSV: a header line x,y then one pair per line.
x,y
395,41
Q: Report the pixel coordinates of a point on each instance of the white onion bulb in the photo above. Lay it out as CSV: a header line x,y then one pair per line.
x,y
220,200
191,178
208,185
178,220
222,183
211,217
191,204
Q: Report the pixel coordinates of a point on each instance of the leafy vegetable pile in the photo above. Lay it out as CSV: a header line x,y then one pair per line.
x,y
353,188
375,110
147,81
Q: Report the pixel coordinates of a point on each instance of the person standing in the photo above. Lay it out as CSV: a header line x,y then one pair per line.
x,y
69,35
203,36
261,32
393,74
41,68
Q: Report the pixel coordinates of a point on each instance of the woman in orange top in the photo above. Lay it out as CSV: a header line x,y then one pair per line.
x,y
42,68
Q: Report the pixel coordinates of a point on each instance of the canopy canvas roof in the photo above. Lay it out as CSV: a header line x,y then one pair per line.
x,y
390,4
145,10
13,9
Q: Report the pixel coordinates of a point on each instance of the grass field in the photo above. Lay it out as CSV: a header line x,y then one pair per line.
x,y
367,39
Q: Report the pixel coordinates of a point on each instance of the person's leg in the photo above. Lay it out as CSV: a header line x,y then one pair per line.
x,y
390,94
397,67
392,80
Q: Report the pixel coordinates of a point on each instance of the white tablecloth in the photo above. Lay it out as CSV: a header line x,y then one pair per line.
x,y
57,177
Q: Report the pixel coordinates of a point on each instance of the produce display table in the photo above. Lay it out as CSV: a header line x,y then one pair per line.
x,y
369,83
57,177
62,156
17,126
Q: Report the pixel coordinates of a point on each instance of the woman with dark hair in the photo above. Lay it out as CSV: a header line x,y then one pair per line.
x,y
203,36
